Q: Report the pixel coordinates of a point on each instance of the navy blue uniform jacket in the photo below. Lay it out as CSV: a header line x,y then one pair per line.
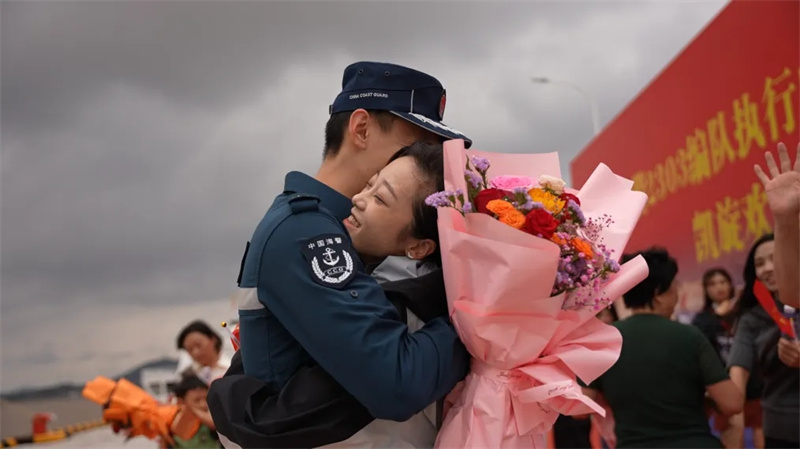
x,y
311,302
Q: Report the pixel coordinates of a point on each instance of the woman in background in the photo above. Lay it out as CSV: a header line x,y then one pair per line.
x,y
205,348
717,322
756,350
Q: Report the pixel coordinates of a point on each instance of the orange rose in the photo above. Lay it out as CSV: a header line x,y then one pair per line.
x,y
513,218
558,240
582,246
499,207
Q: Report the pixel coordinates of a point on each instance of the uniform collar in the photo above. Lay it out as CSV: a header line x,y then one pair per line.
x,y
338,204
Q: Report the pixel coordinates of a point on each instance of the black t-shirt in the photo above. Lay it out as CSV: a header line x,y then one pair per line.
x,y
717,330
755,350
657,387
720,333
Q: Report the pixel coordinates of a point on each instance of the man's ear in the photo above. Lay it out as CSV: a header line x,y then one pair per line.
x,y
357,128
420,249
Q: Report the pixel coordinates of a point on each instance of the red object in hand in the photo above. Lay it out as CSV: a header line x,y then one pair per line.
x,y
235,337
766,300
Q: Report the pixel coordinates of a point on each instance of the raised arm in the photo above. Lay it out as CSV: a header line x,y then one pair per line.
x,y
782,186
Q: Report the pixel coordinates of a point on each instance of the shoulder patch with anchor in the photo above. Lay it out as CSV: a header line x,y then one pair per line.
x,y
330,259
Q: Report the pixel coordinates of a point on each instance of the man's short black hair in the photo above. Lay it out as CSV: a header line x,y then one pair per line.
x,y
337,124
663,269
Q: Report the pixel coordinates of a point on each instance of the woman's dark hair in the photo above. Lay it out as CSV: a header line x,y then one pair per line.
x,y
203,328
429,160
663,269
748,299
188,383
707,276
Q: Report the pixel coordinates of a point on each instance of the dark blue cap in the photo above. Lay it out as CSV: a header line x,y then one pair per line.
x,y
407,93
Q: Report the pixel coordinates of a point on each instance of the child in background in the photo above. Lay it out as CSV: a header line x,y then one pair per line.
x,y
194,421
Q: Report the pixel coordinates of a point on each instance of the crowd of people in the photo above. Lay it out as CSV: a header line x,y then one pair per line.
x,y
701,385
735,366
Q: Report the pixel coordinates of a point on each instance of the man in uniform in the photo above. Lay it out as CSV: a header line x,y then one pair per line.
x,y
309,299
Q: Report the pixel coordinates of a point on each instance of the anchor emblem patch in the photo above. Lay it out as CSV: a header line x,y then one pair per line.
x,y
330,260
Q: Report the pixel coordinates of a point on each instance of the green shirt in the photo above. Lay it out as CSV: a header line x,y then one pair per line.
x,y
656,389
202,439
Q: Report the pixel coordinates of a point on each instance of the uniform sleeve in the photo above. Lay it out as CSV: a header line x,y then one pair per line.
x,y
743,350
353,331
711,367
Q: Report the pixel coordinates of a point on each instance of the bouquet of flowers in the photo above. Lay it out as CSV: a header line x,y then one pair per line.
x,y
528,264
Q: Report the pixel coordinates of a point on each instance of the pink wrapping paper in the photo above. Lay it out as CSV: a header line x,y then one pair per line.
x,y
527,351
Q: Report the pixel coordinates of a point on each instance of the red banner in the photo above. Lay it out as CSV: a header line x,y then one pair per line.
x,y
691,138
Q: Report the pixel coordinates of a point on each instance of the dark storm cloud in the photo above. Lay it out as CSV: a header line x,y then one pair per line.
x,y
142,141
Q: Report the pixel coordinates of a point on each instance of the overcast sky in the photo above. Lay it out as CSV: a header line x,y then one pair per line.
x,y
143,141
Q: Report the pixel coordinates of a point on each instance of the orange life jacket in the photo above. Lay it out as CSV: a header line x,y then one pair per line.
x,y
128,406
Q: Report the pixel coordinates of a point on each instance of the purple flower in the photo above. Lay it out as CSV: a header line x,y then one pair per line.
x,y
439,199
467,208
576,210
481,164
472,178
536,205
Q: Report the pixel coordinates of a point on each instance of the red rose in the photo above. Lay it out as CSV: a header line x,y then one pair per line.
x,y
486,195
568,196
539,221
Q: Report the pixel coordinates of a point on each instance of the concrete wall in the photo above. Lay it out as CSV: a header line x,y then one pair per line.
x,y
16,417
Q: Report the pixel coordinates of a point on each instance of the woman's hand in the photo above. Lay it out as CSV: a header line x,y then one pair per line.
x,y
783,195
783,190
789,352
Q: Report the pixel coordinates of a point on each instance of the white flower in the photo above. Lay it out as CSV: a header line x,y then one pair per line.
x,y
555,184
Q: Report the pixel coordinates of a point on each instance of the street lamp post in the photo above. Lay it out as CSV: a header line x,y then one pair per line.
x,y
589,97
